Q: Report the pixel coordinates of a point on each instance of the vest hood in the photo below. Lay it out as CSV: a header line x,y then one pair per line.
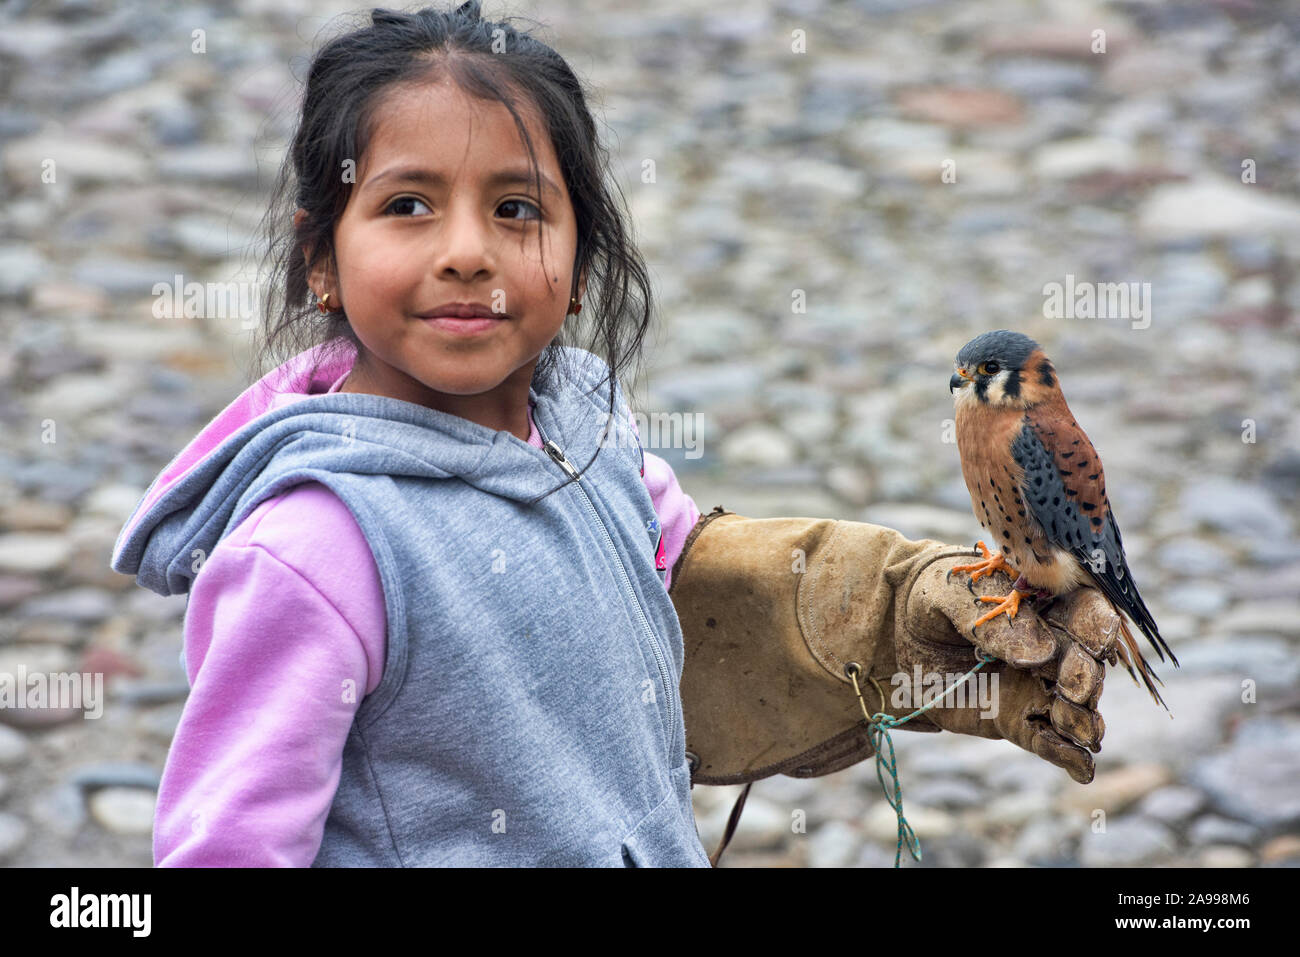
x,y
289,416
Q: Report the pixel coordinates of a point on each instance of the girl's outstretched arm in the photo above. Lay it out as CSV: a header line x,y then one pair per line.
x,y
781,615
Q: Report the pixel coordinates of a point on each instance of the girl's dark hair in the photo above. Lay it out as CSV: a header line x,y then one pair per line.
x,y
347,81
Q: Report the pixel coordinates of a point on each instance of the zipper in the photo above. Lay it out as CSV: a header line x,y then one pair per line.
x,y
557,454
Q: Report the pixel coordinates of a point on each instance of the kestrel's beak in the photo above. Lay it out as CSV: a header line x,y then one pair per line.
x,y
959,379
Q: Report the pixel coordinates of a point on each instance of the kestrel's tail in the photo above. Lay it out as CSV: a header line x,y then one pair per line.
x,y
1128,647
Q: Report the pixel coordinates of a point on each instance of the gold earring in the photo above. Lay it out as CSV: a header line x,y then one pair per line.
x,y
575,307
323,305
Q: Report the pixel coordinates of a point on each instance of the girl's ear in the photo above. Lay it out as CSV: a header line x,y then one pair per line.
x,y
321,279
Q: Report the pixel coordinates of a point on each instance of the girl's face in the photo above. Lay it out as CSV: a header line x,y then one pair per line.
x,y
442,212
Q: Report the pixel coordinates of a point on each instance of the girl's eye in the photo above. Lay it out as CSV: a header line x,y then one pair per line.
x,y
404,203
522,202
989,368
403,200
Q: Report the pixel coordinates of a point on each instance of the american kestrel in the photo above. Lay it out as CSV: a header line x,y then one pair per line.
x,y
1036,484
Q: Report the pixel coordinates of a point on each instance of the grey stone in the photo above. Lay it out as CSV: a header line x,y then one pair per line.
x,y
698,387
20,267
758,445
713,335
148,692
163,410
57,481
924,521
113,501
871,854
46,365
60,810
1220,855
176,125
15,123
1215,207
1192,556
13,832
123,277
1275,582
123,810
1212,829
151,607
834,844
1020,771
1253,252
33,552
1129,841
957,850
13,746
1254,778
1080,156
1034,78
763,825
119,72
161,723
116,774
16,588
949,794
1274,616
1267,660
1048,842
1232,507
81,605
1138,729
208,238
1187,283
795,478
1270,552
1202,598
228,163
812,427
1173,804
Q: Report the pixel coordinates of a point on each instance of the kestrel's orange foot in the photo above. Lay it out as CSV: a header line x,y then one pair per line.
x,y
990,564
1008,604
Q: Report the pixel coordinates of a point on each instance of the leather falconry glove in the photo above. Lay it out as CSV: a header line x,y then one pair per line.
x,y
773,610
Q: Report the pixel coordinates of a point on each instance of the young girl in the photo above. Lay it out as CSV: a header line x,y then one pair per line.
x,y
428,621
428,559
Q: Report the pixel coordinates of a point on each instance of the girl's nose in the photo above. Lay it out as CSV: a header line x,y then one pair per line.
x,y
464,245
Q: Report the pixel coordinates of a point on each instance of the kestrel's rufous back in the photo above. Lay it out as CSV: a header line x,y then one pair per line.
x,y
1037,485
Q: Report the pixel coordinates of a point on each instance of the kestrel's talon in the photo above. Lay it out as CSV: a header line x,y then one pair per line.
x,y
1008,604
990,564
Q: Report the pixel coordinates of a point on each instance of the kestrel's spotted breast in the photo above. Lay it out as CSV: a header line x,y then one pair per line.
x,y
988,440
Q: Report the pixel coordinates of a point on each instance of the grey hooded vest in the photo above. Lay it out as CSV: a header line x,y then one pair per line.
x,y
528,713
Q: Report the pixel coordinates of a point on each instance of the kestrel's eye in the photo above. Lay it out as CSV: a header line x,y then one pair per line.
x,y
989,368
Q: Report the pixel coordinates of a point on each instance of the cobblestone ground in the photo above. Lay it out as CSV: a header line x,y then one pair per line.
x,y
803,152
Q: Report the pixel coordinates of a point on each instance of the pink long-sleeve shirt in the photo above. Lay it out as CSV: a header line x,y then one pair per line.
x,y
286,608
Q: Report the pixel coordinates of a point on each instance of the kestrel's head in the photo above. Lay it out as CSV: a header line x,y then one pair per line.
x,y
1003,368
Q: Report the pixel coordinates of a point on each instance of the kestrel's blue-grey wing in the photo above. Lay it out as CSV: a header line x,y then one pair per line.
x,y
1065,489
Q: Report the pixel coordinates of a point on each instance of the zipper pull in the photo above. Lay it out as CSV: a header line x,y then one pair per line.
x,y
554,452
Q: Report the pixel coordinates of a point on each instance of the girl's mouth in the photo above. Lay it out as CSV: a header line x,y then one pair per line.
x,y
464,327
